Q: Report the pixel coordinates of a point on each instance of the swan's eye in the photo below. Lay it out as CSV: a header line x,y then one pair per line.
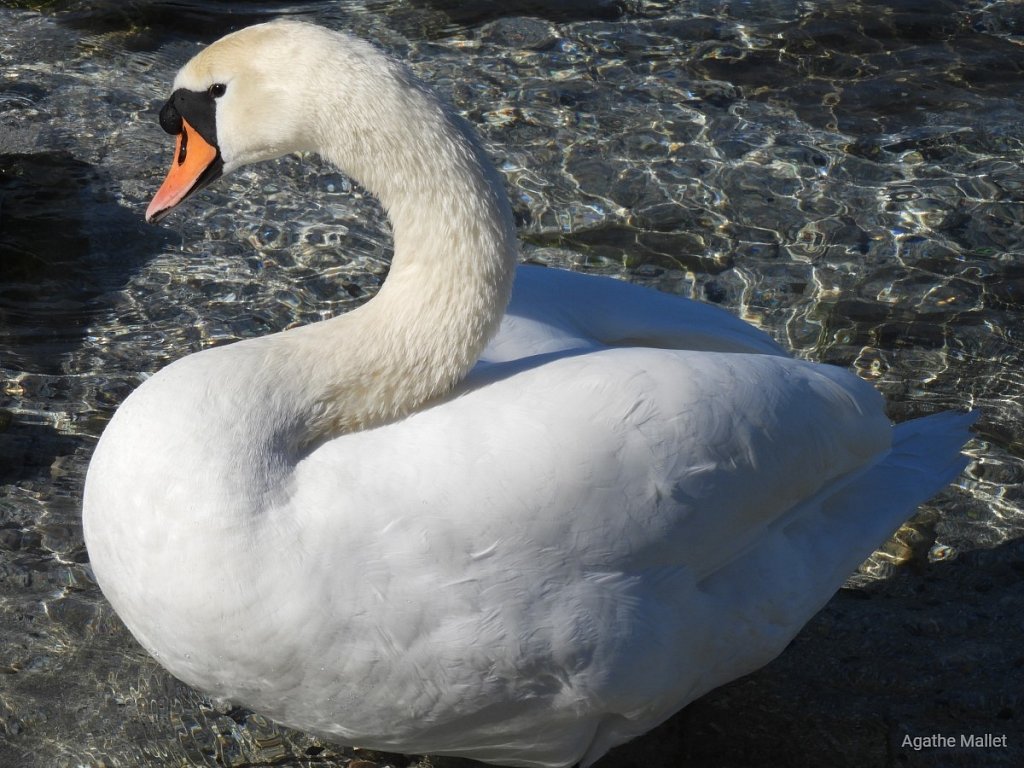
x,y
217,90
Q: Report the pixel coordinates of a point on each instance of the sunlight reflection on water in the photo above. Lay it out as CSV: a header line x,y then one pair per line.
x,y
846,177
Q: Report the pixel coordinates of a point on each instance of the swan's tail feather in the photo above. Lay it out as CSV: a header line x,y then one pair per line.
x,y
925,457
936,436
815,548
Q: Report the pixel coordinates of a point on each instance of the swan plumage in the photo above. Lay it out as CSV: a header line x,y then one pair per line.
x,y
432,525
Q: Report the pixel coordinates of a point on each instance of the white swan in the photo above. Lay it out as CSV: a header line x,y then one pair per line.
x,y
630,500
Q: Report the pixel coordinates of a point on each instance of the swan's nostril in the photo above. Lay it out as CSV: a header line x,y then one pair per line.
x,y
182,146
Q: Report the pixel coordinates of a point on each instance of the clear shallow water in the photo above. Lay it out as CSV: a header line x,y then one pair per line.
x,y
845,175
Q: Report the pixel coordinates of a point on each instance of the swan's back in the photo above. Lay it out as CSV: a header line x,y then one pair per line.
x,y
553,311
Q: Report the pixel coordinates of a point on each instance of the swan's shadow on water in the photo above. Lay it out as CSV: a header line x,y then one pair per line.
x,y
66,249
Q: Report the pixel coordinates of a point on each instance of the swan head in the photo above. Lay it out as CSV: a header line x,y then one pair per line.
x,y
248,97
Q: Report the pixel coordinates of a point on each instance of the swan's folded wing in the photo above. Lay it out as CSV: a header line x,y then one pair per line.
x,y
615,461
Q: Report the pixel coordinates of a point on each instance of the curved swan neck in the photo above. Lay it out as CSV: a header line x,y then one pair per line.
x,y
455,244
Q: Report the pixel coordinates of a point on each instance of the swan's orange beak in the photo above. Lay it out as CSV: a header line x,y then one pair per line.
x,y
196,163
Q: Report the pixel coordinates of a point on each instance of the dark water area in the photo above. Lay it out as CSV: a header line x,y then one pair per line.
x,y
845,175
